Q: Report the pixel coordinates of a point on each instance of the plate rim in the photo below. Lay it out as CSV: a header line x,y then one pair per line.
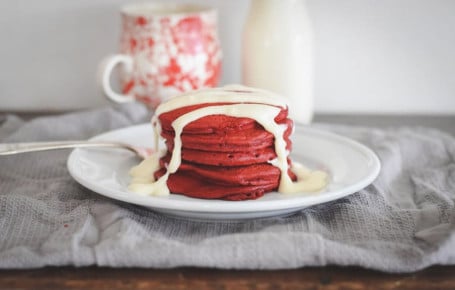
x,y
223,206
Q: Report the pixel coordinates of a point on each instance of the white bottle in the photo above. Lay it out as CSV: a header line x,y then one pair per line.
x,y
277,53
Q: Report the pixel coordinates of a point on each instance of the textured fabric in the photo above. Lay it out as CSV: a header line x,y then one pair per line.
x,y
403,222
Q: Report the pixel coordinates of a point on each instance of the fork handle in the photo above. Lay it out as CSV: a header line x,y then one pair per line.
x,y
16,148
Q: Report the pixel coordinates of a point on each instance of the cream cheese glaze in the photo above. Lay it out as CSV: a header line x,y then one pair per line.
x,y
262,106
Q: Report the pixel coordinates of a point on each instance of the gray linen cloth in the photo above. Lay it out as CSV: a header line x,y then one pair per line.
x,y
403,222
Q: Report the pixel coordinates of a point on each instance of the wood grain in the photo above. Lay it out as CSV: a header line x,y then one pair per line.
x,y
439,277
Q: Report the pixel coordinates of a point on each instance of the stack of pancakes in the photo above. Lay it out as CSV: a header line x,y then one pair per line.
x,y
223,157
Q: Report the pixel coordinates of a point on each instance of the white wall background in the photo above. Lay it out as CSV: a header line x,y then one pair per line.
x,y
372,56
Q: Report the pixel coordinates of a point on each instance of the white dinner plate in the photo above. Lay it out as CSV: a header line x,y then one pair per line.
x,y
351,166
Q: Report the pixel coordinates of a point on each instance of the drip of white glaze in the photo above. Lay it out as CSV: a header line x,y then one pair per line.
x,y
307,180
143,180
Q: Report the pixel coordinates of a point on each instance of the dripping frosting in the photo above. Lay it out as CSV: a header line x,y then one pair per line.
x,y
242,102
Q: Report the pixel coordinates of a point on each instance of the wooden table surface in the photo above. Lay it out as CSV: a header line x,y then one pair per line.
x,y
330,277
438,277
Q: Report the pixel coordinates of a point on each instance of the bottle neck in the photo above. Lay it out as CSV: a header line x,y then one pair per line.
x,y
275,6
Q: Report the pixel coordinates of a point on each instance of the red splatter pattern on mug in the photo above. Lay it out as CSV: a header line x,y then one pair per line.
x,y
170,49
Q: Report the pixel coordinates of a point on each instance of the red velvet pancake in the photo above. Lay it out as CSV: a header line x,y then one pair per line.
x,y
212,123
239,140
256,174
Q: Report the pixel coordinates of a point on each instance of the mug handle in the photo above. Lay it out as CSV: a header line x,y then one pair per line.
x,y
106,68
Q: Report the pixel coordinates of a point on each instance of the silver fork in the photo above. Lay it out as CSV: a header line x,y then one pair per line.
x,y
17,148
